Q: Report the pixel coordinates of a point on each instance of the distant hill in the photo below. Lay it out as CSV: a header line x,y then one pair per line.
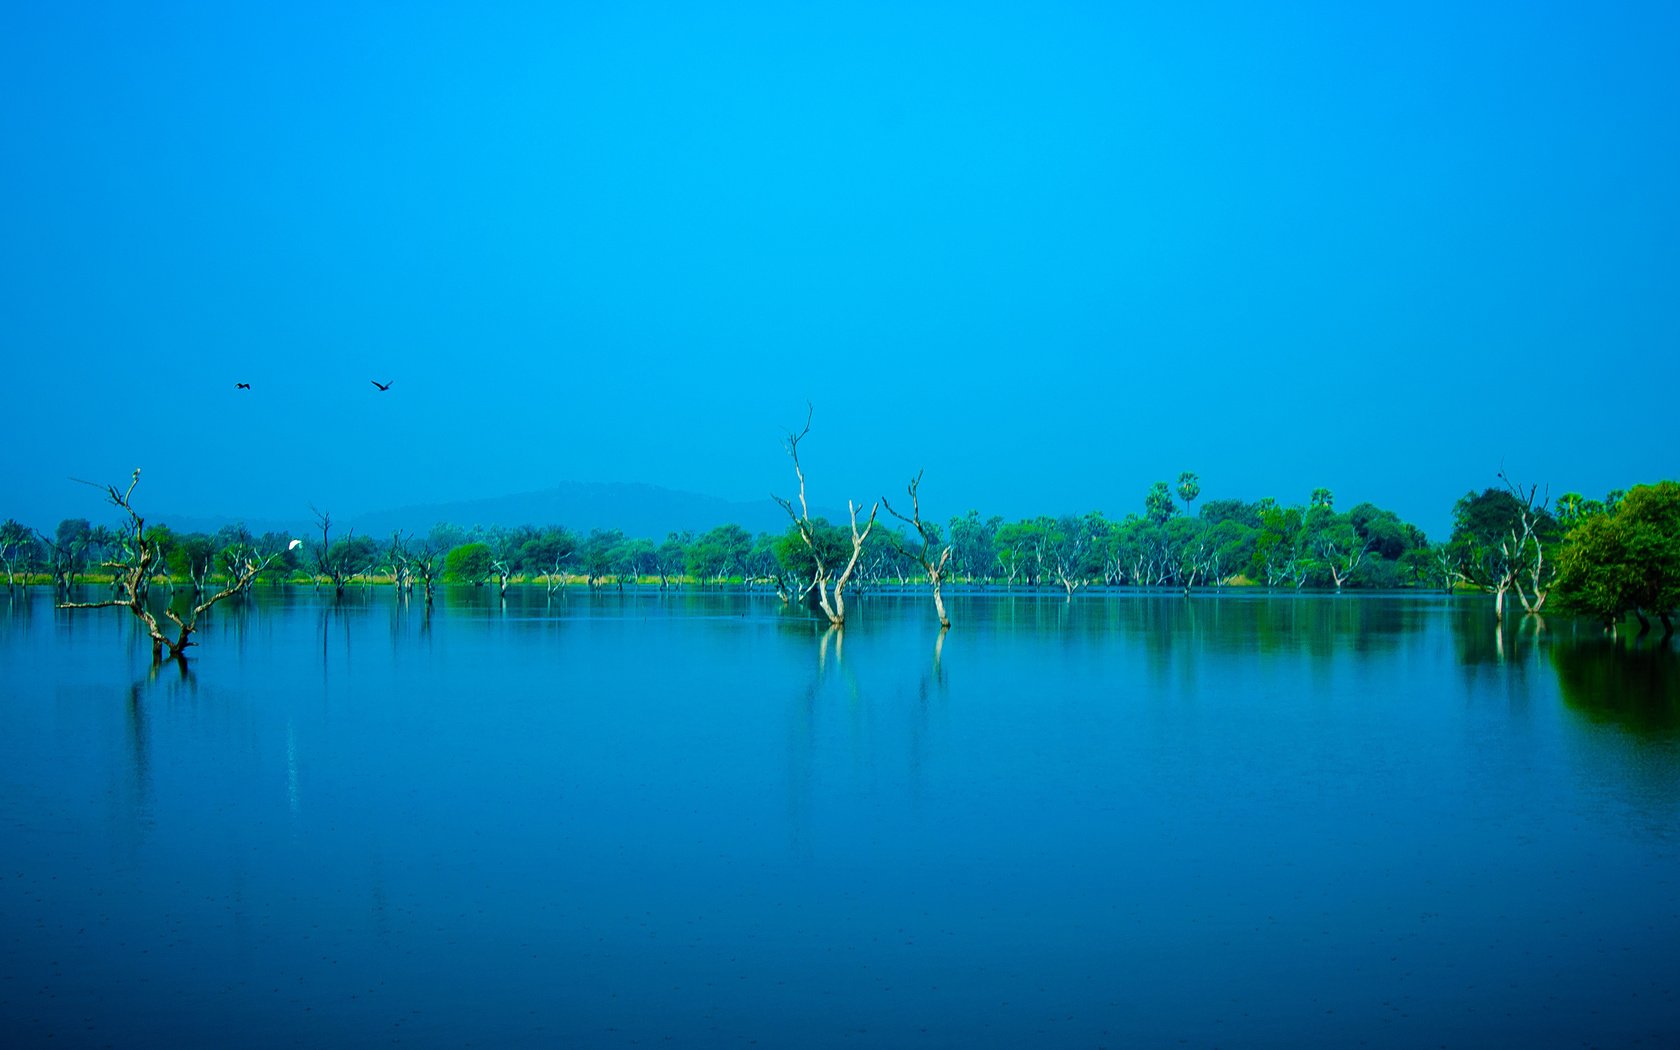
x,y
637,509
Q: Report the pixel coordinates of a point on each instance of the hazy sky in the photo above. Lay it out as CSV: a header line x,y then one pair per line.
x,y
1050,253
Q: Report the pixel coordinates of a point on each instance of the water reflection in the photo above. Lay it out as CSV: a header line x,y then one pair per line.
x,y
292,772
705,817
1500,656
170,682
139,752
1609,681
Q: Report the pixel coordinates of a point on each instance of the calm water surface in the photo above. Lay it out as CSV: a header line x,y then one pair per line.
x,y
699,821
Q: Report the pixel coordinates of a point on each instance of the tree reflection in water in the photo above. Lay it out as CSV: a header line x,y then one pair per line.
x,y
1633,687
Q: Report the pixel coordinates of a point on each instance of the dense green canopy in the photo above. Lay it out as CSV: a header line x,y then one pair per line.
x,y
1626,560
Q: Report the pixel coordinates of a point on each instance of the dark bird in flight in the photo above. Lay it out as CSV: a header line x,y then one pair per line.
x,y
382,386
242,386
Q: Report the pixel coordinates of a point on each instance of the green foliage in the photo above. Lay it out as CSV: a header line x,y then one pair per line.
x,y
20,549
1418,567
634,558
1233,544
974,545
445,536
191,556
1158,503
1070,547
1374,573
1572,507
1217,511
164,540
508,545
1626,559
289,558
1275,543
1021,549
599,553
1486,541
834,543
1189,487
352,555
719,553
762,563
671,557
73,532
1390,538
547,551
468,563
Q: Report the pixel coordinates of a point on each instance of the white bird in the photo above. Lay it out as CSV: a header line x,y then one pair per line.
x,y
294,545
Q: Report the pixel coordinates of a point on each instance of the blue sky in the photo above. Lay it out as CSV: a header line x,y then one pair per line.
x,y
1050,253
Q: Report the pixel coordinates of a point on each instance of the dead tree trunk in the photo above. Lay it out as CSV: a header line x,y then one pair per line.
x,y
555,579
330,567
135,573
928,535
397,560
1341,561
832,600
424,563
1527,556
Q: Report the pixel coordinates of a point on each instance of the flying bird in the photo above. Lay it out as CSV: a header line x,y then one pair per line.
x,y
242,386
382,386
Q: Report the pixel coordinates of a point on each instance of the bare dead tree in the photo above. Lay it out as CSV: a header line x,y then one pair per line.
x,y
423,562
1190,562
831,598
503,567
134,574
1341,556
1010,560
243,556
396,558
790,587
554,576
1065,546
61,562
1533,575
1519,556
14,545
336,563
1446,563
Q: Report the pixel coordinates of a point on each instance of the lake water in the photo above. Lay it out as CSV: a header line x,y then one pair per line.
x,y
616,820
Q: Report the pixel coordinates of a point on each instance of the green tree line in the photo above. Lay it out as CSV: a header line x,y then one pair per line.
x,y
1608,558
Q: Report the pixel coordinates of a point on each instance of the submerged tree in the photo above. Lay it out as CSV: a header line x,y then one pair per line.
x,y
133,574
1627,560
468,563
599,554
1499,540
926,540
547,552
831,598
668,558
423,562
341,560
974,545
16,544
397,563
1331,543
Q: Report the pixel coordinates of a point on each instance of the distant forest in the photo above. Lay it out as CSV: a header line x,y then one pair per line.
x,y
1505,540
